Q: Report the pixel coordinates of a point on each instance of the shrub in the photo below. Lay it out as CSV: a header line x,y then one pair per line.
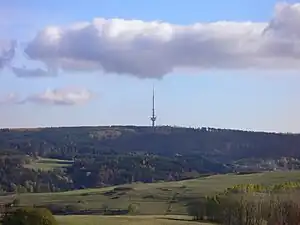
x,y
133,208
29,216
16,202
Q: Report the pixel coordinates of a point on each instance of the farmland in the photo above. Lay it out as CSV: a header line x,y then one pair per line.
x,y
162,198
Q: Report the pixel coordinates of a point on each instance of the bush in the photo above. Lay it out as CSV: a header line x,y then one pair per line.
x,y
133,208
29,216
16,202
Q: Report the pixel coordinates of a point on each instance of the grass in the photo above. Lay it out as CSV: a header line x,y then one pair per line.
x,y
126,220
156,198
47,164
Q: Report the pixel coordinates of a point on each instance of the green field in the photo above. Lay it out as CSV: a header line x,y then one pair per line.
x,y
153,199
47,164
126,220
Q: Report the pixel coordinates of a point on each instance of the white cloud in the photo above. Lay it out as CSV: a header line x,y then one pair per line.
x,y
7,52
60,96
11,98
153,49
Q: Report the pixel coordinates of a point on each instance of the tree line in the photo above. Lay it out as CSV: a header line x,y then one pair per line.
x,y
251,205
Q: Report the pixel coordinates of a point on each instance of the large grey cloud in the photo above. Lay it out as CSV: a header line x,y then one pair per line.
x,y
153,49
58,96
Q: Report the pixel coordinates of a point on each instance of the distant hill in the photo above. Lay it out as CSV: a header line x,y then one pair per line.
x,y
113,155
221,144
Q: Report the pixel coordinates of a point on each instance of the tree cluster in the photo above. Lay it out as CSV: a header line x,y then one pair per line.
x,y
15,178
250,205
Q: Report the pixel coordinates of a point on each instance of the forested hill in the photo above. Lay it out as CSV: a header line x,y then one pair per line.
x,y
221,144
100,156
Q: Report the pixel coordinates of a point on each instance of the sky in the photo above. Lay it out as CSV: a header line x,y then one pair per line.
x,y
228,64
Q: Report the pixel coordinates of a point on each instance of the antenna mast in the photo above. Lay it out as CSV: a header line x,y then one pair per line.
x,y
153,117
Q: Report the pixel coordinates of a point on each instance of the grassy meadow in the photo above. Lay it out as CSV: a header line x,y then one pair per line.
x,y
126,220
47,164
164,198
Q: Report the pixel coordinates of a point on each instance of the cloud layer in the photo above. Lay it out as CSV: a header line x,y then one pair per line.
x,y
153,49
59,96
32,73
7,52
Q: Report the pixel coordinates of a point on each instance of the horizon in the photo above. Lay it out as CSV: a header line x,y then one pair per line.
x,y
148,126
213,64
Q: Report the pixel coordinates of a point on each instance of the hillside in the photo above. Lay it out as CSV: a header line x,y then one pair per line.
x,y
161,198
221,143
67,158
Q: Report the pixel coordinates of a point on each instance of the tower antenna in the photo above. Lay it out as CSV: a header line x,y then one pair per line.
x,y
153,117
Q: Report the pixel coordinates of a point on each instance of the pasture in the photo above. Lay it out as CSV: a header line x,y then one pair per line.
x,y
47,164
162,198
126,220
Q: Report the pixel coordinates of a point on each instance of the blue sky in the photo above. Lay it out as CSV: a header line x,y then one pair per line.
x,y
257,99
